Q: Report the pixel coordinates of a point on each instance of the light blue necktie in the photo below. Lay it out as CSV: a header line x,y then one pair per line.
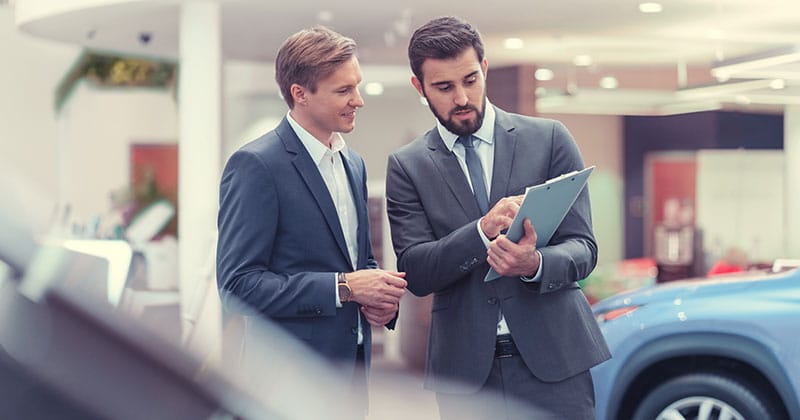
x,y
475,170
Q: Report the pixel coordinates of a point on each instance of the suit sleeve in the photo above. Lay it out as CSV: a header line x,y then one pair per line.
x,y
571,254
431,264
248,223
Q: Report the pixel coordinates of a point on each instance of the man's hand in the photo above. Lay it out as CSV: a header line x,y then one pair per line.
x,y
376,288
514,260
500,216
379,317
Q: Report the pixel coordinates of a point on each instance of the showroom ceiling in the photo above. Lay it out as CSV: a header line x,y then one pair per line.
x,y
601,56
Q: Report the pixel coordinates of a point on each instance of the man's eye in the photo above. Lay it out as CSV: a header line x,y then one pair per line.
x,y
445,88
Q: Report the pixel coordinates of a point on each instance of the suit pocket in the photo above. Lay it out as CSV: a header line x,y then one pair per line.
x,y
441,301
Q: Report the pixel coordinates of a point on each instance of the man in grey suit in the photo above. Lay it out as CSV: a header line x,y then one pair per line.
x,y
293,230
520,346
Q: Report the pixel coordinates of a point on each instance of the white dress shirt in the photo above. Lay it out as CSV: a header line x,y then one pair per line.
x,y
329,163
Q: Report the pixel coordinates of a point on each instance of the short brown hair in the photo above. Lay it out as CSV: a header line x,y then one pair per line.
x,y
442,38
309,56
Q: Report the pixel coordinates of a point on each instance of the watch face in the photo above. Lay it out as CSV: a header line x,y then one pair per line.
x,y
344,292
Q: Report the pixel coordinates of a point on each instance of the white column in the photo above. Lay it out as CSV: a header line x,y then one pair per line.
x,y
200,160
791,149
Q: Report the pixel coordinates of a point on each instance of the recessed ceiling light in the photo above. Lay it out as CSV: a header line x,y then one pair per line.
x,y
777,84
373,89
325,16
609,82
543,74
513,43
582,60
650,7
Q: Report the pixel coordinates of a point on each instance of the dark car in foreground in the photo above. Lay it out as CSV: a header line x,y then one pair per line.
x,y
713,348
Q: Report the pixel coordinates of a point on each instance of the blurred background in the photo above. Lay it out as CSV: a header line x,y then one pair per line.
x,y
117,116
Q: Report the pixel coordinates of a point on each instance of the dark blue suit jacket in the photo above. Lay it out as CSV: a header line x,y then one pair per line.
x,y
280,241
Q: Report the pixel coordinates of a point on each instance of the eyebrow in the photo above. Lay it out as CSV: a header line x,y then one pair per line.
x,y
447,82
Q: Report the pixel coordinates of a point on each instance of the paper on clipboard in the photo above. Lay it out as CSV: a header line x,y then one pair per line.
x,y
546,205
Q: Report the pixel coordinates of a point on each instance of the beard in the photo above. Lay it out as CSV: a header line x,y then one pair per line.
x,y
461,128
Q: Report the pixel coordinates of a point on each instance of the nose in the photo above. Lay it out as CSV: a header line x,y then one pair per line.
x,y
460,96
357,101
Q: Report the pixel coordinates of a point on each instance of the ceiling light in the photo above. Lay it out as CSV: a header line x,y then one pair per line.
x,y
373,89
609,82
777,84
513,43
543,74
325,16
582,60
650,7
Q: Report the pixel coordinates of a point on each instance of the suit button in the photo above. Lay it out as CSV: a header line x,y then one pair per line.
x,y
354,330
318,311
491,301
550,286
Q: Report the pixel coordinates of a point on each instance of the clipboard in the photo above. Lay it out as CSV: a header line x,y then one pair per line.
x,y
546,205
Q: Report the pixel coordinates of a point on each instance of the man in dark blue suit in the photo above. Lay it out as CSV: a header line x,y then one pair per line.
x,y
528,337
293,231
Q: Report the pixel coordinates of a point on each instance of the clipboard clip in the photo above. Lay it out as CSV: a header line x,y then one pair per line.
x,y
560,177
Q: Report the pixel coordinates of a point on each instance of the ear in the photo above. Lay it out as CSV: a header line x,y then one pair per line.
x,y
417,85
484,67
298,94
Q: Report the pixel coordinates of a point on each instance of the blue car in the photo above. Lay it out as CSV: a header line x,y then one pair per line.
x,y
717,348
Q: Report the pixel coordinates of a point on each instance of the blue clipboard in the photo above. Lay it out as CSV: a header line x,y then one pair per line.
x,y
546,205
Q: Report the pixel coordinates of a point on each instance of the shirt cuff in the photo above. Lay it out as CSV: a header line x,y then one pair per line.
x,y
538,276
336,290
485,240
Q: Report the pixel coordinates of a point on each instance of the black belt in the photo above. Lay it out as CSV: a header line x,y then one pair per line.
x,y
505,347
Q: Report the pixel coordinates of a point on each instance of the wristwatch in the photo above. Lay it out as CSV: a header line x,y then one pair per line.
x,y
344,288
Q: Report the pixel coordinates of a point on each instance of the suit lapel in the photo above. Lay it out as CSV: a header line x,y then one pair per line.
x,y
313,179
451,171
355,177
505,143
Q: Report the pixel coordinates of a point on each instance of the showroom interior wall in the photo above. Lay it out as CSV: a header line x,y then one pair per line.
x,y
31,70
97,126
599,138
685,132
791,147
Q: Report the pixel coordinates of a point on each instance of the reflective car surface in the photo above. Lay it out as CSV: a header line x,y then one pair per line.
x,y
721,348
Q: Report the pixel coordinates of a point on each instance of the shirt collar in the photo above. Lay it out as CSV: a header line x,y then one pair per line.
x,y
484,133
315,148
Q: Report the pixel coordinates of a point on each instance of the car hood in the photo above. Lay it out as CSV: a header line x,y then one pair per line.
x,y
694,288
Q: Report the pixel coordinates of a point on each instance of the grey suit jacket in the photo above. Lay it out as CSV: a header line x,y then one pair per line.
x,y
432,213
280,241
